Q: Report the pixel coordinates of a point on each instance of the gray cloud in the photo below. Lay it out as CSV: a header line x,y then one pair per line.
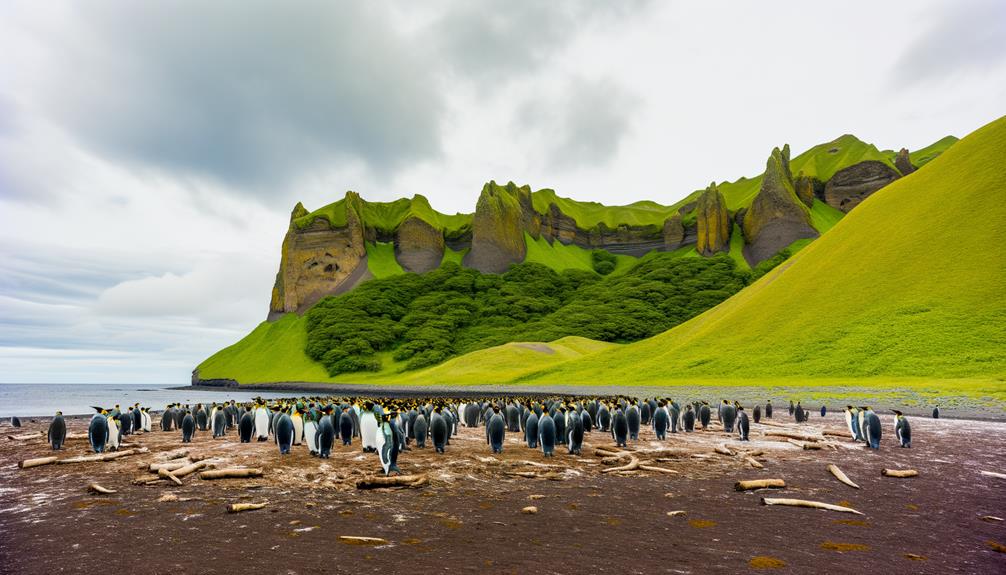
x,y
252,93
585,125
970,36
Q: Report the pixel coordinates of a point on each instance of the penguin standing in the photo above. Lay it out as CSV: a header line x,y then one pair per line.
x,y
261,421
147,423
756,413
97,431
326,434
438,429
936,412
688,419
675,414
297,417
768,409
201,418
126,422
871,423
421,431
852,422
137,419
704,415
560,425
743,427
188,427
824,410
219,423
368,428
113,431
633,418
546,434
729,415
574,433
57,431
496,430
310,432
585,421
15,422
791,408
902,430
284,433
388,444
603,418
167,418
246,427
620,427
660,421
531,431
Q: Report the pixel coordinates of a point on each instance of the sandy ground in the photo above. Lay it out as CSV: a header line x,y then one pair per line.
x,y
468,517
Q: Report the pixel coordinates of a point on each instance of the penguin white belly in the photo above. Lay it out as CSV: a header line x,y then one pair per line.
x,y
113,434
310,429
213,421
261,423
379,445
298,429
145,419
368,430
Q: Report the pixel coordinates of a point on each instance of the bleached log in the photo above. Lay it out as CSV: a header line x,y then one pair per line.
x,y
841,476
104,456
723,450
994,474
806,503
754,463
27,437
189,469
169,465
378,482
239,507
173,454
232,473
804,444
354,540
899,473
759,484
165,474
29,463
793,435
633,464
95,488
657,469
837,433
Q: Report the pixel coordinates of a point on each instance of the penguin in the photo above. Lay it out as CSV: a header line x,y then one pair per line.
x,y
560,425
147,423
791,408
346,425
246,427
15,422
768,409
219,423
167,418
201,418
704,415
284,432
743,427
113,431
620,427
824,410
660,421
325,438
310,433
603,418
645,413
546,434
438,429
137,419
261,421
57,431
852,422
178,413
756,413
421,430
512,419
633,418
688,419
797,413
387,445
97,431
585,421
729,416
675,416
902,430
936,412
574,433
873,429
531,430
229,415
188,427
368,428
126,423
496,431
861,418
297,417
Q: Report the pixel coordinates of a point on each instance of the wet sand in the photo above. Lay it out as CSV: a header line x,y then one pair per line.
x,y
468,517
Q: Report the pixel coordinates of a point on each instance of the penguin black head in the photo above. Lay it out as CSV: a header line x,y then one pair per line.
x,y
59,413
896,412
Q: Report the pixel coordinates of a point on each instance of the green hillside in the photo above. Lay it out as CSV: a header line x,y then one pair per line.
x,y
909,284
387,216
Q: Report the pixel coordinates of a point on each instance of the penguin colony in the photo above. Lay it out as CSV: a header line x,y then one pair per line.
x,y
387,427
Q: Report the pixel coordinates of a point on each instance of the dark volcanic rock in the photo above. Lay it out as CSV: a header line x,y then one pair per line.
x,y
776,217
419,247
713,222
903,162
674,232
848,187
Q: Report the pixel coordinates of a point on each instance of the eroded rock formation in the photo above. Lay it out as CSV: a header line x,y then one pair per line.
x,y
776,217
903,162
419,247
712,222
501,218
850,186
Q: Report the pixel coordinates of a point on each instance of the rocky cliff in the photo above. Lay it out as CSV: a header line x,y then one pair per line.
x,y
419,247
850,186
502,216
776,217
713,222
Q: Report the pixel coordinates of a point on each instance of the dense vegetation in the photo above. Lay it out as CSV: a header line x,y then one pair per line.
x,y
426,319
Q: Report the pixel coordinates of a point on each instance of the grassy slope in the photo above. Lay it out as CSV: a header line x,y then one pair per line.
x,y
387,216
272,352
920,157
908,285
381,260
559,256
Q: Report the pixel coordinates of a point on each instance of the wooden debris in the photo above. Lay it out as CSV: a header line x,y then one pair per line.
x,y
29,463
104,456
353,540
165,474
632,465
239,507
173,454
837,433
805,445
994,474
657,469
759,484
793,435
529,510
146,480
82,435
232,473
754,462
806,503
378,482
27,437
189,469
899,473
95,488
723,450
676,513
841,476
169,465
991,518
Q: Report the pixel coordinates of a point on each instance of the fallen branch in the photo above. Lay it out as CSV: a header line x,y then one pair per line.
x,y
994,474
657,469
29,463
759,484
676,513
793,435
529,510
841,476
38,435
754,463
806,503
899,473
632,465
188,469
837,433
104,456
146,480
239,507
353,540
991,518
81,435
173,454
378,482
232,473
804,445
170,465
95,488
165,474
723,450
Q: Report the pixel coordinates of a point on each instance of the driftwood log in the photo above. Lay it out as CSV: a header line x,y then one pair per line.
x,y
793,435
753,462
837,433
95,488
29,463
27,437
723,450
104,456
169,465
189,469
239,507
899,473
231,473
657,469
841,476
806,503
165,474
759,484
378,482
633,464
805,444
354,540
994,474
173,454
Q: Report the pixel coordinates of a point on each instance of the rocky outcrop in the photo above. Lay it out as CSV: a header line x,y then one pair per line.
x,y
712,222
903,162
674,233
850,186
776,217
317,259
502,215
419,247
804,187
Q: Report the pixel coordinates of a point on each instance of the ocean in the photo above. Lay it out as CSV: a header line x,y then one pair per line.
x,y
44,399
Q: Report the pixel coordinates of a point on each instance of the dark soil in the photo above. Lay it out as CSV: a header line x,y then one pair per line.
x,y
468,518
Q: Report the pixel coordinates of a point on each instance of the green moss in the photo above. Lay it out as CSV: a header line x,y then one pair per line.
x,y
381,260
737,248
589,215
453,256
385,217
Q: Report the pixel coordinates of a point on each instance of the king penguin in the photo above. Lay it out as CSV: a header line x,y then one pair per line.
x,y
704,415
531,430
310,433
660,421
246,426
871,422
97,431
420,430
757,413
326,433
219,423
675,413
574,432
57,431
261,421
496,431
620,427
688,419
768,409
284,432
167,418
546,434
147,423
852,422
936,412
368,427
201,419
902,430
729,416
188,427
743,427
633,418
438,429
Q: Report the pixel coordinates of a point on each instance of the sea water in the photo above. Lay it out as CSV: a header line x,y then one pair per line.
x,y
44,399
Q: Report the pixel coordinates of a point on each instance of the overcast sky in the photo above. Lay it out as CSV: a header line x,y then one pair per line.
x,y
150,152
